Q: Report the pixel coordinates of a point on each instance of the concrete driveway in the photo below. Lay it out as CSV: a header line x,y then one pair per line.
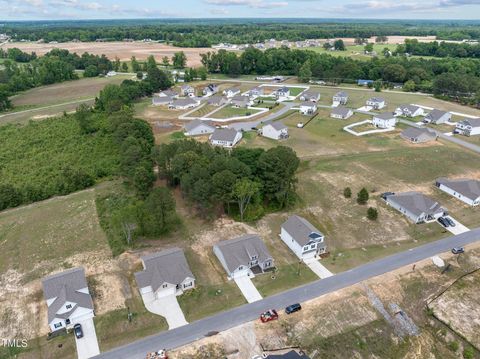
x,y
87,346
166,307
249,291
458,229
318,268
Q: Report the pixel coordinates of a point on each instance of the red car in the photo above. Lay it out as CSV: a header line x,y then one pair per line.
x,y
269,315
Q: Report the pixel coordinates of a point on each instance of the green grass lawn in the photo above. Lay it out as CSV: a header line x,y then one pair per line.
x,y
355,51
230,111
294,91
204,110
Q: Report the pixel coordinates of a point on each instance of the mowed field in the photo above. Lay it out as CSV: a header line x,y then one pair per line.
x,y
123,50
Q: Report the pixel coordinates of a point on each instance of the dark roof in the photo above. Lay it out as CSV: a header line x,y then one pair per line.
x,y
239,251
168,266
466,187
224,134
301,230
290,355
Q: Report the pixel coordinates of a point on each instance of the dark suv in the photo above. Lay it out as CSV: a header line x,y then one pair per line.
x,y
443,222
77,329
293,308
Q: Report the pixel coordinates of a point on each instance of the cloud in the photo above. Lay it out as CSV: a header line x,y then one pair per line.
x,y
219,11
257,4
448,3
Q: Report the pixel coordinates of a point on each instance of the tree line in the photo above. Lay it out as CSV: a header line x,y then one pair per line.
x,y
438,49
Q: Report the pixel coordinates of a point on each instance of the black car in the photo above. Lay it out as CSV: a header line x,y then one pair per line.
x,y
443,222
458,250
450,222
77,329
293,308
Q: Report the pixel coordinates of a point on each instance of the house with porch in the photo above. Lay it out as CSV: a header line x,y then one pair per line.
x,y
468,126
302,237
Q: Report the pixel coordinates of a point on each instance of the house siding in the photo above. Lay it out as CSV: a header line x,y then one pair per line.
x,y
459,196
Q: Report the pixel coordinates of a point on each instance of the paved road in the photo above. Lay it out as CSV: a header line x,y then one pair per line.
x,y
247,312
247,125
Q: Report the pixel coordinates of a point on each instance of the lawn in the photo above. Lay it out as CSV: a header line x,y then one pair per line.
x,y
203,110
355,51
230,111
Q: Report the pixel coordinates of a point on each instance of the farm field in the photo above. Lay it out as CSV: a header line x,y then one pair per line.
x,y
355,51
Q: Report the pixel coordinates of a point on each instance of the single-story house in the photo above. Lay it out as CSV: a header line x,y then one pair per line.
x,y
210,89
282,92
418,135
183,103
292,354
165,273
198,127
256,92
232,91
310,95
341,112
225,137
246,255
409,111
437,117
340,97
275,130
161,100
384,120
308,108
216,100
168,93
376,102
302,237
468,126
241,101
68,298
187,90
416,206
466,190
364,82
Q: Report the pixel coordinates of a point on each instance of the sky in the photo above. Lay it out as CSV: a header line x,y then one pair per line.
x,y
122,9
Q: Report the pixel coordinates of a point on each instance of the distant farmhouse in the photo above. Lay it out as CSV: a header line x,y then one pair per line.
x,y
466,190
415,206
225,137
302,237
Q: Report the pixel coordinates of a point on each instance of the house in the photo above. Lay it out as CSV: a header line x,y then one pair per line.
x,y
256,92
308,108
377,103
341,113
409,111
187,90
68,298
168,93
216,100
165,273
161,100
275,130
418,135
416,206
282,92
241,101
468,126
310,95
210,89
466,190
384,120
232,91
183,103
364,82
292,354
302,237
437,117
246,255
198,127
340,98
225,137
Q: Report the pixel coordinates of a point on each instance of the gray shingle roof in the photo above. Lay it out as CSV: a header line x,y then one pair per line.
x,y
311,94
170,93
466,187
168,266
162,99
238,251
195,123
64,287
415,202
409,108
308,104
341,94
422,134
224,134
278,125
376,99
474,122
216,100
300,229
435,115
183,102
341,111
385,115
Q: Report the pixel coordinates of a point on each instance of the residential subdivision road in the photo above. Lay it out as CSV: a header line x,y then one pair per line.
x,y
196,330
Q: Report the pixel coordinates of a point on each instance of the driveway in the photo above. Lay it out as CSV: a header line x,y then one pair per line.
x,y
87,346
458,229
318,268
249,291
166,307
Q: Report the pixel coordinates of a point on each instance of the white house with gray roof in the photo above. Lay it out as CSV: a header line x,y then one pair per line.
x,y
340,98
225,137
183,103
241,101
217,100
165,273
415,206
275,130
302,237
384,120
466,190
409,111
341,113
210,89
187,90
377,103
308,108
282,93
161,100
418,135
468,126
168,93
256,92
232,91
310,95
246,255
68,298
198,128
437,117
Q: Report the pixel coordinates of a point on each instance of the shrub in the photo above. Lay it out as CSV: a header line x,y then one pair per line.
x,y
372,213
453,346
468,353
362,196
347,192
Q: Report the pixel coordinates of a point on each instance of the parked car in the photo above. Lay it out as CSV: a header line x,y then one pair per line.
x,y
77,329
293,308
450,222
458,250
443,222
384,195
269,315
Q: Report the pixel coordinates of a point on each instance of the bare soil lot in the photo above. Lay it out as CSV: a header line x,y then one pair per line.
x,y
123,50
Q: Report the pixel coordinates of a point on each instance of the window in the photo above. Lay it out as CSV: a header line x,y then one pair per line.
x,y
57,325
188,285
68,306
165,286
